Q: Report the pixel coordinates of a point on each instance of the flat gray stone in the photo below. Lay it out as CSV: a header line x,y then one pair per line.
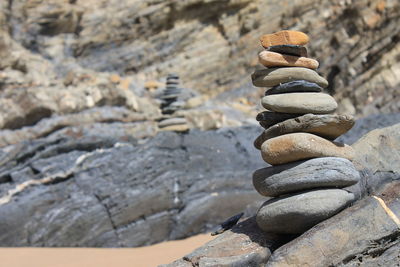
x,y
269,118
297,213
305,175
317,103
326,126
294,87
273,76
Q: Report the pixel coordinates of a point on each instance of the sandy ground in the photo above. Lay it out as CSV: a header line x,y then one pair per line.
x,y
99,257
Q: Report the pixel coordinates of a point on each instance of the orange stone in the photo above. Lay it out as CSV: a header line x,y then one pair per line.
x,y
284,38
272,59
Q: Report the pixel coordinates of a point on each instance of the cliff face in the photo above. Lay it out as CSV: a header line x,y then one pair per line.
x,y
58,52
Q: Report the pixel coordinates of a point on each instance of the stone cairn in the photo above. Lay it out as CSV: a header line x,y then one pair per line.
x,y
310,172
171,101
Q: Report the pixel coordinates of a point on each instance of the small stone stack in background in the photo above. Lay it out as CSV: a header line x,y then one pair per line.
x,y
171,101
309,169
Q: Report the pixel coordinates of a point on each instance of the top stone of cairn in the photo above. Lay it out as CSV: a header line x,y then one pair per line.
x,y
284,38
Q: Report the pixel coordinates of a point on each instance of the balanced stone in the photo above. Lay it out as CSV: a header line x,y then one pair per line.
x,y
303,175
294,50
272,59
299,146
297,213
284,38
269,118
274,76
317,103
326,126
294,87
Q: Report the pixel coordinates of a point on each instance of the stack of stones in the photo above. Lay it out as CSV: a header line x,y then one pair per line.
x,y
310,172
170,103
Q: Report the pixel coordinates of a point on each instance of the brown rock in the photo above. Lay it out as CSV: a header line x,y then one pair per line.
x,y
326,126
284,37
298,146
272,59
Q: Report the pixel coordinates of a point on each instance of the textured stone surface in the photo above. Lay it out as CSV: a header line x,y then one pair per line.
x,y
294,87
298,146
317,103
363,233
243,245
274,76
171,121
326,126
294,50
98,186
271,59
314,173
297,213
283,38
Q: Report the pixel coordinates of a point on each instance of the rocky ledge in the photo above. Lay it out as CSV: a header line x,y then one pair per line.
x,y
366,233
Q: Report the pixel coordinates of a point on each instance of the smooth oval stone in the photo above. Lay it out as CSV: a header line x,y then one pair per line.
x,y
294,87
269,118
271,59
297,213
294,50
317,103
284,38
299,146
274,76
304,175
326,126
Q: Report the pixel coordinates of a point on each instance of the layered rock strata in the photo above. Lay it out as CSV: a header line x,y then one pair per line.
x,y
309,169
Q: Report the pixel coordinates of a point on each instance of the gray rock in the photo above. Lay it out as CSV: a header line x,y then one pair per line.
x,y
363,233
326,126
97,186
294,87
294,50
317,103
297,213
273,76
314,173
269,118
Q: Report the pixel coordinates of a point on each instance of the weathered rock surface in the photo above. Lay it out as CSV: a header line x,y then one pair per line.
x,y
298,146
326,126
295,214
272,59
294,87
362,234
274,76
314,173
98,186
316,103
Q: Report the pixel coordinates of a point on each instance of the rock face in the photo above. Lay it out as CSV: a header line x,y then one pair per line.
x,y
306,209
314,173
367,233
60,57
95,185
